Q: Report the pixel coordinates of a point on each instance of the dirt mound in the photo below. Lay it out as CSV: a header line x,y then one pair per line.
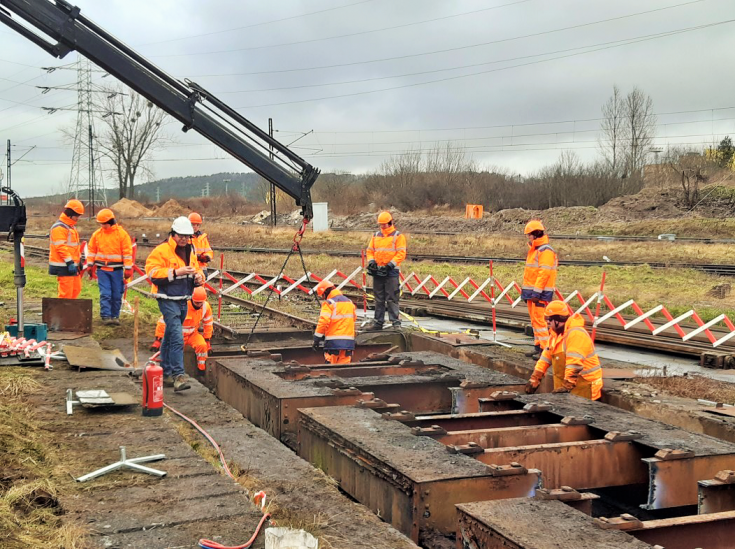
x,y
650,203
130,209
171,209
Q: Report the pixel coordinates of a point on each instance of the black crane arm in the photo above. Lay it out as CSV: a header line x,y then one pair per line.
x,y
186,101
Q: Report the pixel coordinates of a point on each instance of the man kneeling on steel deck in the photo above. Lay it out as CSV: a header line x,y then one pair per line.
x,y
571,355
336,327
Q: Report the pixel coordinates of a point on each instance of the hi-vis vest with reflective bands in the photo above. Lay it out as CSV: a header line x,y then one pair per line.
x,y
161,266
110,248
194,318
385,249
200,241
575,351
539,276
63,246
337,322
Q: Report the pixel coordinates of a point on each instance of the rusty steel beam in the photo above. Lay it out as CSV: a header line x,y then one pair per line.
x,y
718,494
485,420
410,482
712,531
518,436
581,464
467,398
674,477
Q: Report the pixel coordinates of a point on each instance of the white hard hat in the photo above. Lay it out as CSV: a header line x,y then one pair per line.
x,y
182,226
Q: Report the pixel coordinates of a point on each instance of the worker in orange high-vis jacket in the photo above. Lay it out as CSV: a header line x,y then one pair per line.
x,y
110,255
571,355
174,271
199,315
200,241
65,253
385,253
335,330
539,279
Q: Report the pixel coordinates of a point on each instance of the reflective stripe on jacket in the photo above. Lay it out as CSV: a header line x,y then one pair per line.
x,y
388,248
337,322
194,318
539,276
110,248
160,267
200,241
573,359
64,248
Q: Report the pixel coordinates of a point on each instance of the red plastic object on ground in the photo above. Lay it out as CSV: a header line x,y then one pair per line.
x,y
152,390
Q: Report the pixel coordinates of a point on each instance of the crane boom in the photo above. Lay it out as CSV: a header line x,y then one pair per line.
x,y
186,101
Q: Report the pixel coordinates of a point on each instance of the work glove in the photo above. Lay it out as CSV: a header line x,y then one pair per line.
x,y
73,269
209,345
128,274
92,271
317,343
156,345
566,387
372,268
382,271
203,258
533,383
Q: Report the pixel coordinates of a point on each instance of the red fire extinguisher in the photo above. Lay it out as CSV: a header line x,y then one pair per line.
x,y
152,389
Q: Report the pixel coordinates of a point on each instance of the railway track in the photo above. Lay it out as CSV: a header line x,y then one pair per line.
x,y
481,312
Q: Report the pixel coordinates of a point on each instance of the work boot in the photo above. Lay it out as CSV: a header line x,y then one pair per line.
x,y
168,381
535,353
107,321
397,325
181,383
374,326
115,321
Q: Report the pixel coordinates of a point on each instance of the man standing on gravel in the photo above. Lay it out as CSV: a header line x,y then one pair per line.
x,y
539,278
386,251
174,271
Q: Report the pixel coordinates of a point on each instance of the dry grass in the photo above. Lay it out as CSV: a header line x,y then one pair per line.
x,y
693,386
33,474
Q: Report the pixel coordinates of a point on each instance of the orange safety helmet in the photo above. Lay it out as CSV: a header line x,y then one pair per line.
x,y
533,225
103,216
195,218
384,217
322,287
199,294
76,206
557,308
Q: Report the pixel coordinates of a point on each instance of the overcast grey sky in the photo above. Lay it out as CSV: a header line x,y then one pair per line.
x,y
373,78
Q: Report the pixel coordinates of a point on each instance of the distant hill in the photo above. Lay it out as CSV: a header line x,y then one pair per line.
x,y
191,186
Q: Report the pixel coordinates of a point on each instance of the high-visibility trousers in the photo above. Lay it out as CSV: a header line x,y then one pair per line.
x,y
540,330
69,286
341,358
197,342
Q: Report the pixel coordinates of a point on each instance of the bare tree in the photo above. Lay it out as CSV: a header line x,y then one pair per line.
x,y
130,130
640,129
613,129
692,167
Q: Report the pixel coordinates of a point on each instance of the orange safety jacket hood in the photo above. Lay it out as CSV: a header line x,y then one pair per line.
x,y
337,322
64,246
161,266
110,248
387,247
539,275
575,352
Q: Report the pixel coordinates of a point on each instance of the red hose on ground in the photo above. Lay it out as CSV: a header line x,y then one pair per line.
x,y
205,543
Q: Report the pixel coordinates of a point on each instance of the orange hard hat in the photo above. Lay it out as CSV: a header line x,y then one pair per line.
x,y
533,225
322,287
557,308
385,217
103,216
195,218
76,206
200,294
